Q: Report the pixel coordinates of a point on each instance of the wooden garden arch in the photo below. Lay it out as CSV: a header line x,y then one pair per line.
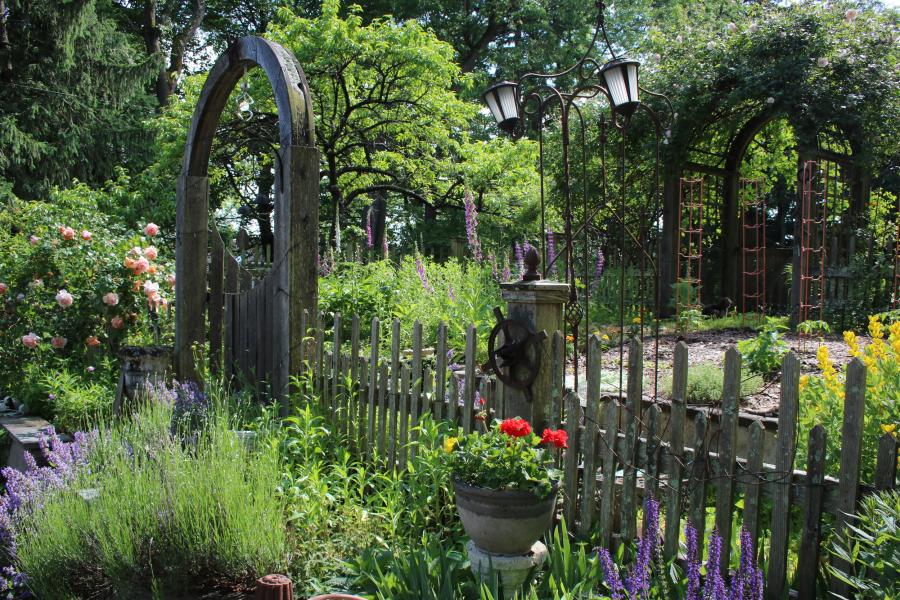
x,y
254,326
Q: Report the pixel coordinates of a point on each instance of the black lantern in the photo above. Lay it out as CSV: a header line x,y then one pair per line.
x,y
503,100
621,78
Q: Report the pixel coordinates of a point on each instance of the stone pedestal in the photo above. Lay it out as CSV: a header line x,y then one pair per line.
x,y
539,305
511,570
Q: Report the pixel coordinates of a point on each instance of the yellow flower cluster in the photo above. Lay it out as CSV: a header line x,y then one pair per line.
x,y
852,343
450,444
829,373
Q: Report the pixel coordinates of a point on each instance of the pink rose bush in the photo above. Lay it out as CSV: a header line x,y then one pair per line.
x,y
74,287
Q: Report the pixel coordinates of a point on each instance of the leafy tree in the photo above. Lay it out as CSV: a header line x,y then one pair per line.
x,y
73,95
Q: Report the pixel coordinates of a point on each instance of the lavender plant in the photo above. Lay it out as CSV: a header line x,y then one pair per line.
x,y
26,493
745,584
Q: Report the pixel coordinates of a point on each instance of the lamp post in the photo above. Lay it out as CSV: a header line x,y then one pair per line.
x,y
516,106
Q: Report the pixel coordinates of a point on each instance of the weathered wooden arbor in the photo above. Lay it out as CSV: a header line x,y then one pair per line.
x,y
254,326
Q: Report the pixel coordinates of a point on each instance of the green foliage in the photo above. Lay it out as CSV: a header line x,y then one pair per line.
x,y
454,292
763,354
870,547
705,382
810,327
499,461
77,402
74,96
39,262
168,515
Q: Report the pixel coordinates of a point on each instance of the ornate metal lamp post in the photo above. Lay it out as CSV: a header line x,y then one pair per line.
x,y
527,103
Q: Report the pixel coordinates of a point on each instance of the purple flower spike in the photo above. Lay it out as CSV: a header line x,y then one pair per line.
x,y
520,258
714,586
472,226
611,575
638,581
423,277
693,563
370,241
551,252
598,269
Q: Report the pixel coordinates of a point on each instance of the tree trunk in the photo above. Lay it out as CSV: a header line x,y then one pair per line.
x,y
153,44
379,220
5,46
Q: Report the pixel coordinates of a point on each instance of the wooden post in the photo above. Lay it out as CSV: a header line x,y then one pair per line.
x,y
610,416
570,478
753,483
851,453
190,271
589,439
676,450
886,464
469,385
731,393
373,387
784,468
698,481
808,559
629,456
440,372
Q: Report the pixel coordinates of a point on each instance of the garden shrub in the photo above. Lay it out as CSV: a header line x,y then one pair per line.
x,y
822,396
169,515
705,381
871,547
74,286
763,354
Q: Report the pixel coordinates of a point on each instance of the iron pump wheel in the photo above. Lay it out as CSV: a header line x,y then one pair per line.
x,y
518,361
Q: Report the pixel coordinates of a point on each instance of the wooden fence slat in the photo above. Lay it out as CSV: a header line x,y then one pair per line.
x,y
589,439
453,399
429,402
416,384
336,364
403,416
726,473
808,557
231,288
320,353
345,397
362,409
676,450
354,347
784,465
440,372
373,388
886,464
557,381
570,477
753,482
393,391
610,422
469,385
326,399
304,324
383,411
632,431
216,308
698,481
651,479
851,452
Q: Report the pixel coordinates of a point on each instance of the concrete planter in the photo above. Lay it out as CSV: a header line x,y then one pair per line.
x,y
141,366
505,522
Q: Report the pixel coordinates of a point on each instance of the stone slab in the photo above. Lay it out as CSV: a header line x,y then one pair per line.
x,y
23,437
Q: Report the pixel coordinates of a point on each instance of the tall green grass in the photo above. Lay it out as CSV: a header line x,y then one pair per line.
x,y
169,515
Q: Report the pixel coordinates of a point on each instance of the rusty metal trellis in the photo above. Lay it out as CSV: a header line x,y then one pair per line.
x,y
689,253
813,221
753,246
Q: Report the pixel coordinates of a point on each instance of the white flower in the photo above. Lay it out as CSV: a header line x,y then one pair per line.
x,y
711,45
731,27
822,62
851,15
770,100
679,38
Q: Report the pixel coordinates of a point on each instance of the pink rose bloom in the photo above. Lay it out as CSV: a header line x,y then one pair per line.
x,y
30,340
170,279
90,369
64,299
135,252
3,288
150,252
141,265
34,240
92,341
67,233
117,322
58,342
111,299
151,229
86,235
156,299
151,289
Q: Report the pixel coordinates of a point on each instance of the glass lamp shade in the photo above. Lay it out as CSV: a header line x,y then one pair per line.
x,y
621,77
503,101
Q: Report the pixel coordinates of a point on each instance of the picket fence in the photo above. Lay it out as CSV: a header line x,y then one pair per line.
x,y
621,447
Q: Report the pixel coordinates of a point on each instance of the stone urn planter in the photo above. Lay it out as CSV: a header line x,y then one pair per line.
x,y
141,366
504,522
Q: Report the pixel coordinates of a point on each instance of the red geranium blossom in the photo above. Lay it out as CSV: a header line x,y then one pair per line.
x,y
517,427
558,438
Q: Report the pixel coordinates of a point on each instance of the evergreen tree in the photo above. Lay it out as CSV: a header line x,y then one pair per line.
x,y
73,99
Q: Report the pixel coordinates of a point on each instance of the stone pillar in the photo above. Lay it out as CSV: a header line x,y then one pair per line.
x,y
539,306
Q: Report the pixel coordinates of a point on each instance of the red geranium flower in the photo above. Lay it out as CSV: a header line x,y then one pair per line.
x,y
559,438
517,427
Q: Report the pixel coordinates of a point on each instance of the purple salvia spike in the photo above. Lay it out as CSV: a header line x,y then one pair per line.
x,y
693,563
611,574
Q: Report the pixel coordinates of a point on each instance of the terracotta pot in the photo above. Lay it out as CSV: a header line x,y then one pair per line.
x,y
507,522
274,587
141,366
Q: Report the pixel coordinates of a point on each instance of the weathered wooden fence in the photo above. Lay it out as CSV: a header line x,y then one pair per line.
x,y
620,447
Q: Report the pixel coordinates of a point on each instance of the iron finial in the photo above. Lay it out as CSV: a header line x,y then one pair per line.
x,y
532,260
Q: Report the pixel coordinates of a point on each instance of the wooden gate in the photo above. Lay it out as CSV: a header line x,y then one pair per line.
x,y
254,326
